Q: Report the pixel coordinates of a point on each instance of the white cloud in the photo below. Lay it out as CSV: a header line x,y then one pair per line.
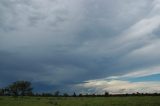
x,y
141,29
120,86
139,73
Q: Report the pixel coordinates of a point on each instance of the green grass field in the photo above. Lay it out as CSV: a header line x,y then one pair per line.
x,y
81,101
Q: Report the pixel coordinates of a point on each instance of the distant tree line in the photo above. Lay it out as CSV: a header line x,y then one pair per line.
x,y
24,88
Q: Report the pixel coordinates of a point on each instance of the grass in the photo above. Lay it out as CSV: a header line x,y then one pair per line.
x,y
81,101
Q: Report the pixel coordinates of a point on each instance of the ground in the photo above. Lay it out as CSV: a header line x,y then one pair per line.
x,y
81,101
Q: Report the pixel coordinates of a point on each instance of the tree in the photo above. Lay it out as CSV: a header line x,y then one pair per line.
x,y
74,94
24,88
65,95
5,91
56,93
2,92
20,88
13,89
106,94
47,94
80,95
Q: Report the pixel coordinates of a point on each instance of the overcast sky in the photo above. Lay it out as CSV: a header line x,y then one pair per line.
x,y
81,45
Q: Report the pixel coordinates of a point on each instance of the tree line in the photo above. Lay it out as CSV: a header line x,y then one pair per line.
x,y
24,88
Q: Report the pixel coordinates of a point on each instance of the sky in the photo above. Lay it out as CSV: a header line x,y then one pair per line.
x,y
88,46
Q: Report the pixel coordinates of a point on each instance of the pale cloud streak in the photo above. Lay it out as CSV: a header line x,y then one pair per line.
x,y
119,87
139,73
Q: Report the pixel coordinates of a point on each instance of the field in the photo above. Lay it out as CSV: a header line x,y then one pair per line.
x,y
81,101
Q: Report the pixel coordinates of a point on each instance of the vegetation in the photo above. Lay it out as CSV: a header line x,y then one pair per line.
x,y
24,88
20,94
81,101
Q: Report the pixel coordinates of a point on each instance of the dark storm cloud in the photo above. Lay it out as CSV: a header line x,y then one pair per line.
x,y
67,42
